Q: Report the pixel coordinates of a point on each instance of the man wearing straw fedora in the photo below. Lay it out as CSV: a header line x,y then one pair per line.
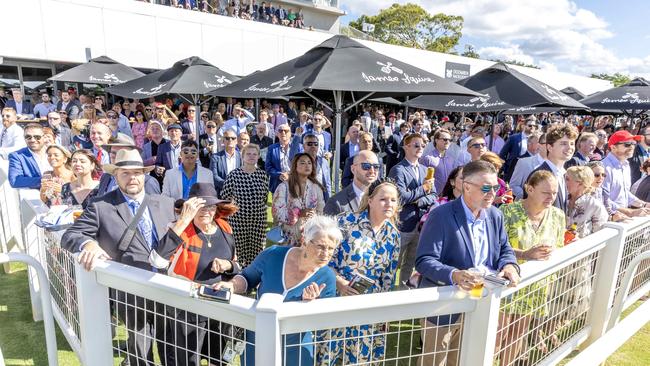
x,y
125,225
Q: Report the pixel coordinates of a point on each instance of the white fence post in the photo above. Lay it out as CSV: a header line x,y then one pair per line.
x,y
480,331
94,319
606,275
32,238
268,341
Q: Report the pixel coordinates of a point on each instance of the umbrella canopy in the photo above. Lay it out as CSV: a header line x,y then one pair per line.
x,y
633,96
191,78
100,70
386,100
338,65
341,64
502,88
573,93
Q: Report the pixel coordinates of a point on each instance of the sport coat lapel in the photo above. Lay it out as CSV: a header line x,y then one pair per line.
x,y
352,198
461,220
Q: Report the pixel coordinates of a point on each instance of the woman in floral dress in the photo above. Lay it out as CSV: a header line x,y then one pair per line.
x,y
535,228
370,247
298,198
139,129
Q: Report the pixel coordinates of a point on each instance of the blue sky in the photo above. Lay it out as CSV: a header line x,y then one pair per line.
x,y
581,37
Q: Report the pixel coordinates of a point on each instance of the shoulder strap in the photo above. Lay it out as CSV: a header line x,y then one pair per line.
x,y
128,235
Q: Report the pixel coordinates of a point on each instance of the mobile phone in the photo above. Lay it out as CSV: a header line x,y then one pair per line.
x,y
494,280
361,283
220,295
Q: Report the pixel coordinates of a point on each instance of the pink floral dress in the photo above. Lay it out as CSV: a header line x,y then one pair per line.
x,y
139,130
286,209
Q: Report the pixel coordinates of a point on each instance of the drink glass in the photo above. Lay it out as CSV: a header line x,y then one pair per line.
x,y
477,291
77,210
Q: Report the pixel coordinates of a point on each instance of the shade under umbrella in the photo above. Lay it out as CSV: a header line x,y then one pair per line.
x,y
336,66
632,98
573,93
100,70
501,88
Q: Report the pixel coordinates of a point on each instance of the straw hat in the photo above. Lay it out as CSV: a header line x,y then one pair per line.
x,y
127,159
121,140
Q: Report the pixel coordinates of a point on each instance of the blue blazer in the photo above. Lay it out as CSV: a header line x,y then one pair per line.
x,y
219,168
445,245
510,153
326,176
415,202
165,156
273,166
23,170
27,107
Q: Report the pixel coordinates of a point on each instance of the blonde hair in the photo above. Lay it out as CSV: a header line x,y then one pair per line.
x,y
371,192
583,175
540,176
493,159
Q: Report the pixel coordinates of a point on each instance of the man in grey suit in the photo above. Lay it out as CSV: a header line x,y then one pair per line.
x,y
101,233
365,170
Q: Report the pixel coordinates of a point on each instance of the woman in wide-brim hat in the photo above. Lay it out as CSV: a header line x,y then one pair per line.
x,y
201,249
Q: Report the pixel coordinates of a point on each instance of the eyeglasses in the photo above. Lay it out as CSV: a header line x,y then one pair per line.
x,y
627,144
284,131
601,134
35,137
486,188
189,151
312,143
111,116
7,116
598,175
368,166
478,146
229,138
210,126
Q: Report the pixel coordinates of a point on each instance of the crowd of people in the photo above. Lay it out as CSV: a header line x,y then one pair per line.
x,y
441,198
264,11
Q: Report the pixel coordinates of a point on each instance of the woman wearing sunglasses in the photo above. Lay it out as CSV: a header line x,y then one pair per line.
x,y
535,228
598,169
139,128
177,182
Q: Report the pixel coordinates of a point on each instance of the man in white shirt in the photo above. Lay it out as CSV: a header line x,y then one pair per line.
x,y
11,135
237,124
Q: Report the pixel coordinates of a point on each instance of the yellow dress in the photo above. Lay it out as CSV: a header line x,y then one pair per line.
x,y
532,300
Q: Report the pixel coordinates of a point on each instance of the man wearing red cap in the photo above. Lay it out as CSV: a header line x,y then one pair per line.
x,y
616,187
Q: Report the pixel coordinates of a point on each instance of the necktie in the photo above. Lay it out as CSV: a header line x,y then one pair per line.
x,y
100,155
144,224
2,137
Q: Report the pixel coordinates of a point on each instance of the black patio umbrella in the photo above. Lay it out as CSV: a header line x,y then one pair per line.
x,y
573,93
632,98
341,70
100,70
501,88
189,78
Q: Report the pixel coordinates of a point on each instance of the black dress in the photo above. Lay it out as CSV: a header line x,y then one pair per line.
x,y
68,198
250,192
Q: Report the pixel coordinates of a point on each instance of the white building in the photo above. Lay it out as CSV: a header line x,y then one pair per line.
x,y
43,37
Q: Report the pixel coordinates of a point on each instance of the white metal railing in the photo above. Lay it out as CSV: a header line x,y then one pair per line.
x,y
579,283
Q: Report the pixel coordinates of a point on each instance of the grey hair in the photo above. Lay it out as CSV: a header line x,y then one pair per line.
x,y
595,164
323,225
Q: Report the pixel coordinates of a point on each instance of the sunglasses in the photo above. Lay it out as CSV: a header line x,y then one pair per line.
x,y
368,166
229,138
598,175
313,143
112,116
7,116
486,188
627,144
35,137
477,146
284,131
444,139
190,151
211,126
417,146
532,126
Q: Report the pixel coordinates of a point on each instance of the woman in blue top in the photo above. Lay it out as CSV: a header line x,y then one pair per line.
x,y
298,273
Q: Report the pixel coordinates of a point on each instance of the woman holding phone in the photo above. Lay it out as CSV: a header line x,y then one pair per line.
x,y
535,228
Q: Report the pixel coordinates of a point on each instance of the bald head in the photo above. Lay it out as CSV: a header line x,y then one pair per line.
x,y
365,168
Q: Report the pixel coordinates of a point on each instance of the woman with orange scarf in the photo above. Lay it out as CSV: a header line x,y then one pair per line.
x,y
200,248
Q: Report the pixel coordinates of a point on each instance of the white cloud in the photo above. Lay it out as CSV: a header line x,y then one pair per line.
x,y
551,33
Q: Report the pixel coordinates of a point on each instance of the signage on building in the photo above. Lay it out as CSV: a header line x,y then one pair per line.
x,y
456,71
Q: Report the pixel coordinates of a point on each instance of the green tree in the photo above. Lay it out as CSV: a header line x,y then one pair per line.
x,y
470,51
617,79
412,26
517,63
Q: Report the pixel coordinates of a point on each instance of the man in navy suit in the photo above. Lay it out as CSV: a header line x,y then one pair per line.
x,y
27,165
417,194
350,148
169,153
279,156
394,146
516,147
225,161
465,233
23,108
310,145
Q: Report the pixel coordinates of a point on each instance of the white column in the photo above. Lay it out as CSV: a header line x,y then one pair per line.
x,y
268,341
480,331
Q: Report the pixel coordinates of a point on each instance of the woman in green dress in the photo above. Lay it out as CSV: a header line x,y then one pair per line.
x,y
535,228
